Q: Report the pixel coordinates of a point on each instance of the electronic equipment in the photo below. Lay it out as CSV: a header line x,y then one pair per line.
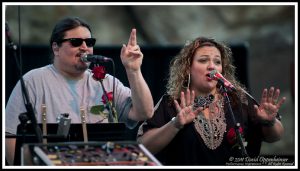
x,y
103,153
95,132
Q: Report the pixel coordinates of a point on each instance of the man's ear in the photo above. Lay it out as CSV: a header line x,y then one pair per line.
x,y
55,46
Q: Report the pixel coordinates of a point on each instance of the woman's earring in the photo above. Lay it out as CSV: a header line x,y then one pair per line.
x,y
188,82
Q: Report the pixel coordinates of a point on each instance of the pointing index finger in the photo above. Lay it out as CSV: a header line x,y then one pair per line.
x,y
132,38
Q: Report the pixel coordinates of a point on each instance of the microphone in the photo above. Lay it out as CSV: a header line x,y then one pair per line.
x,y
8,36
215,75
94,58
7,33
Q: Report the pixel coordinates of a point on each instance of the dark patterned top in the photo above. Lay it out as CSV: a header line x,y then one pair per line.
x,y
188,148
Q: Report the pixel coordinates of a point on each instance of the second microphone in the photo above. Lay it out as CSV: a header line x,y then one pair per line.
x,y
94,58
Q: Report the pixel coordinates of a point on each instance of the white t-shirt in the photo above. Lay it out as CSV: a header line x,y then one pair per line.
x,y
47,86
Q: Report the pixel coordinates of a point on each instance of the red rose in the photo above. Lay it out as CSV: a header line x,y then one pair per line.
x,y
99,73
231,136
109,96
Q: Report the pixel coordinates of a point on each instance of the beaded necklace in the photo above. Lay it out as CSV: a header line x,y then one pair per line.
x,y
212,129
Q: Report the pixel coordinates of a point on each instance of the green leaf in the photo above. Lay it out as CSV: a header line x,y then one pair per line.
x,y
97,110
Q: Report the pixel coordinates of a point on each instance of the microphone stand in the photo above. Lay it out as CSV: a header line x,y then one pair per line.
x,y
111,107
224,91
114,87
29,115
112,112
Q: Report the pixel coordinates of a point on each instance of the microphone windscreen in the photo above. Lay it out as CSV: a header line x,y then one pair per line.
x,y
84,57
212,74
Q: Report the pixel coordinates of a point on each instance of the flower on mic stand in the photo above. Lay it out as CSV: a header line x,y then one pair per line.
x,y
99,73
107,100
233,139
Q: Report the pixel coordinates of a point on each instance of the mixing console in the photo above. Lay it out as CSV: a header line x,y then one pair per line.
x,y
92,154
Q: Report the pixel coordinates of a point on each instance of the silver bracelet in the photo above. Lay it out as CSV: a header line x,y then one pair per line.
x,y
175,123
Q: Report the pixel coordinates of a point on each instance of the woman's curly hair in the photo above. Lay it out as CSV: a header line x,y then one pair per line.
x,y
180,65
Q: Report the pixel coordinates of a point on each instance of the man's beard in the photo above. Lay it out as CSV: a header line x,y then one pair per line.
x,y
81,68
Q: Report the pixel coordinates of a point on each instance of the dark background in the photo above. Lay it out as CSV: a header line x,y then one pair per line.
x,y
155,66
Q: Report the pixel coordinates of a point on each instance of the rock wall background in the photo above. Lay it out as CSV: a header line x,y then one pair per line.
x,y
268,31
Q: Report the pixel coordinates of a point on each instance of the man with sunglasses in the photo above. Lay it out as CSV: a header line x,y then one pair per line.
x,y
67,86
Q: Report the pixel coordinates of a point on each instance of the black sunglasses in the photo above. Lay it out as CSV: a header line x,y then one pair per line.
x,y
90,42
